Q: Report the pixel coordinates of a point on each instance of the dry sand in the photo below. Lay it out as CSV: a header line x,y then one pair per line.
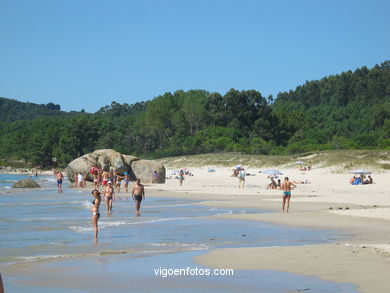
x,y
361,213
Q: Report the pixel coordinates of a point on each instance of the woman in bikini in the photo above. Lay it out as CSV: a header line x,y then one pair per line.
x,y
109,196
96,179
95,212
104,179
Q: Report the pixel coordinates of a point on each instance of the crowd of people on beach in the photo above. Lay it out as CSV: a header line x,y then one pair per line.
x,y
105,185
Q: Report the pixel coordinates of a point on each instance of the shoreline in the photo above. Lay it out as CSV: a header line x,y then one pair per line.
x,y
363,258
365,225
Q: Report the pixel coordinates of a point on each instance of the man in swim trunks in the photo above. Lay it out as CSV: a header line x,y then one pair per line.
x,y
286,187
59,177
138,195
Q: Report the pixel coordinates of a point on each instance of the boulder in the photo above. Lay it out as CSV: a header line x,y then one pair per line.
x,y
26,183
110,160
143,169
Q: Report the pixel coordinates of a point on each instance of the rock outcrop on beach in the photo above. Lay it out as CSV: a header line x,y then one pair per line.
x,y
110,160
26,183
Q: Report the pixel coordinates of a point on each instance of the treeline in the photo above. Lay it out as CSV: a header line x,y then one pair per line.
x,y
350,110
13,110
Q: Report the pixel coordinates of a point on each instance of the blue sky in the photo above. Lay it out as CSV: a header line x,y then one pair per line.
x,y
85,54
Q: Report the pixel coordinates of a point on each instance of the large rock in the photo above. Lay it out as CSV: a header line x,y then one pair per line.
x,y
110,160
26,183
143,169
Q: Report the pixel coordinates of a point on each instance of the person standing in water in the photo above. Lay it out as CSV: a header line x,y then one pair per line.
x,y
109,196
95,212
80,179
59,178
138,195
127,180
286,187
96,179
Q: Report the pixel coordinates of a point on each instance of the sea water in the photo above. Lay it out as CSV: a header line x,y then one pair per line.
x,y
48,225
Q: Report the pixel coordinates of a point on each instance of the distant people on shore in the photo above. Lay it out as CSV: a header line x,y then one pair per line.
x,y
95,212
235,173
272,184
301,181
155,177
181,177
241,178
279,184
287,186
138,194
361,180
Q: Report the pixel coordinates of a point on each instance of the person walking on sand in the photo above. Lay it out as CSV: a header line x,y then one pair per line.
x,y
109,195
286,187
59,178
181,177
241,178
138,195
95,212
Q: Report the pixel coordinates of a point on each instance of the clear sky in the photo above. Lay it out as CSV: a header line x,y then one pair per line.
x,y
87,53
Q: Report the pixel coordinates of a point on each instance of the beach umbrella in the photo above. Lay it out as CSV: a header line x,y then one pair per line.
x,y
300,162
272,172
238,167
211,170
360,171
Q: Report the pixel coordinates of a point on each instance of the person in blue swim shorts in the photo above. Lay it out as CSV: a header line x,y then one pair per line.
x,y
286,187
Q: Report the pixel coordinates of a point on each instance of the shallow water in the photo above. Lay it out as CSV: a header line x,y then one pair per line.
x,y
41,225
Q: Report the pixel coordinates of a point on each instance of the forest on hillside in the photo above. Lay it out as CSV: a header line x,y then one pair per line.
x,y
12,110
346,111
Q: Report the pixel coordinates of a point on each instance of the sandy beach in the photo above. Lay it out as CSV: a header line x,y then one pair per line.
x,y
361,213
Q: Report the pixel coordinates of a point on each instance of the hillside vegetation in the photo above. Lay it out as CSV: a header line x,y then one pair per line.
x,y
12,110
346,111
